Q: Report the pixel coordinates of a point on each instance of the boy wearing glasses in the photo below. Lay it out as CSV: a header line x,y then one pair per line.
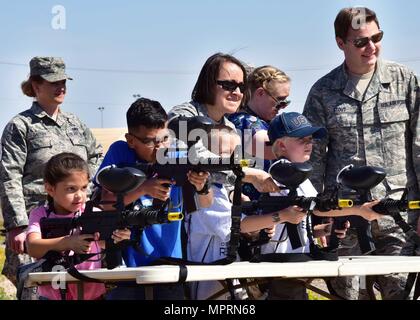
x,y
147,132
370,109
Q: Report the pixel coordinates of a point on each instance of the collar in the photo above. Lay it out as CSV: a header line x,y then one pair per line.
x,y
40,113
342,77
202,111
380,77
247,109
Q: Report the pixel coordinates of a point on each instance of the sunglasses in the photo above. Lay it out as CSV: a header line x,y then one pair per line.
x,y
151,143
362,42
230,85
280,102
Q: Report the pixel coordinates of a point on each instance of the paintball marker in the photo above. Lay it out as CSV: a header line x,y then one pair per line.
x,y
290,176
361,180
119,181
175,163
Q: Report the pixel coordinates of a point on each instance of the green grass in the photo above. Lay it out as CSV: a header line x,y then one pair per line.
x,y
3,294
315,296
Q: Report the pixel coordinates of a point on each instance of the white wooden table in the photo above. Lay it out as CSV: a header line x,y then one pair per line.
x,y
345,266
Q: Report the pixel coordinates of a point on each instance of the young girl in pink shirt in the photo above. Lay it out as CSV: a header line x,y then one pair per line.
x,y
66,180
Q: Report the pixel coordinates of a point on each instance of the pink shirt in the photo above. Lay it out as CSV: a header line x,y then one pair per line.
x,y
92,291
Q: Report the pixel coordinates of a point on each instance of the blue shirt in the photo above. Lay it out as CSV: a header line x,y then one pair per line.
x,y
158,240
247,120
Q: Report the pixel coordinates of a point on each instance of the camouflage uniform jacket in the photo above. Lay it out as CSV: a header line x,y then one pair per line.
x,y
380,128
29,140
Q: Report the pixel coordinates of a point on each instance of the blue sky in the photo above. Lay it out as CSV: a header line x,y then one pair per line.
x,y
156,48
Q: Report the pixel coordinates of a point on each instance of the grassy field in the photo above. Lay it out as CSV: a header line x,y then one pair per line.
x,y
4,295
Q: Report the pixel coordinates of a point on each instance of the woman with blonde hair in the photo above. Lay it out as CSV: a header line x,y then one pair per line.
x,y
268,88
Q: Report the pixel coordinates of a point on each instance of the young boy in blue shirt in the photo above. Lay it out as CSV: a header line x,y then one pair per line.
x,y
147,132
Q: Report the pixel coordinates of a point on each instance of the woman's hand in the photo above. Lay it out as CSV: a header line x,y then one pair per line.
x,y
366,211
16,239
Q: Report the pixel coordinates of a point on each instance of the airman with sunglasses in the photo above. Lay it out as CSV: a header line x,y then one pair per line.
x,y
370,108
269,88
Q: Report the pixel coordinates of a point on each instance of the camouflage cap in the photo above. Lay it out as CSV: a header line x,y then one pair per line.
x,y
49,68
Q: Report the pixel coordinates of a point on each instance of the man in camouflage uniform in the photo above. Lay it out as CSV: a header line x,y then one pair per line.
x,y
29,140
370,108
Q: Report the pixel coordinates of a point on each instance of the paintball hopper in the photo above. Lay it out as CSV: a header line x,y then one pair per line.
x,y
360,178
120,180
289,174
182,126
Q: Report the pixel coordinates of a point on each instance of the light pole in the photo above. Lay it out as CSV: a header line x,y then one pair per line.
x,y
101,109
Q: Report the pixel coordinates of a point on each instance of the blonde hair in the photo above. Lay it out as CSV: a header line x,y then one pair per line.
x,y
265,77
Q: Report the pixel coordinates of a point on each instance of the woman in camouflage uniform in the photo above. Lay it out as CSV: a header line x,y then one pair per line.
x,y
28,142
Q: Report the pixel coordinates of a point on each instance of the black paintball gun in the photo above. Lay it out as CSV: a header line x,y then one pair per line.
x,y
174,163
290,176
360,180
119,181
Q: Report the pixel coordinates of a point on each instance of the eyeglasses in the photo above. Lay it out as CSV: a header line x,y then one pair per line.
x,y
230,85
362,42
280,102
151,143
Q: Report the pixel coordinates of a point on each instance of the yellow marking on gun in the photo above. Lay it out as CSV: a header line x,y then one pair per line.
x,y
175,216
345,203
414,205
244,163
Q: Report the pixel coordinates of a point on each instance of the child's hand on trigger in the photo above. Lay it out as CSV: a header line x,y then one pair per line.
x,y
81,243
270,231
120,235
366,211
198,179
157,188
323,230
341,233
